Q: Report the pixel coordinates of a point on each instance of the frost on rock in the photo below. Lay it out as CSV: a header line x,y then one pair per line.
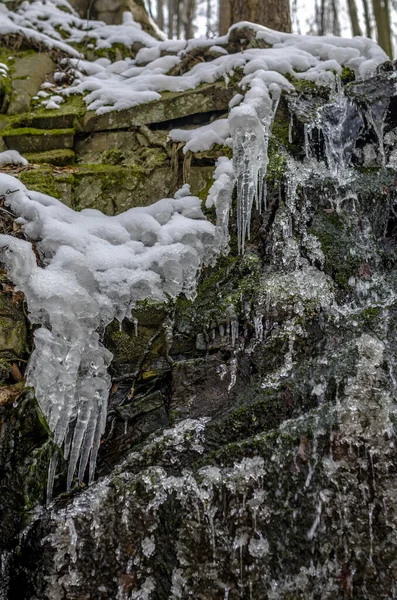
x,y
95,269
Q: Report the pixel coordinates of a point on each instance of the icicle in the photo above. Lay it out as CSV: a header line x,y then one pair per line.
x,y
316,523
341,124
52,467
258,324
306,136
220,196
376,113
75,295
290,127
233,374
234,332
250,125
371,533
135,323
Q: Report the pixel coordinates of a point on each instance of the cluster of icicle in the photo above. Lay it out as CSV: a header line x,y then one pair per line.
x,y
93,270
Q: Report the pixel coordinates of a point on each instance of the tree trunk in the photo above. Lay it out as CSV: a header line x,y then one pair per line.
x,y
160,14
224,16
354,17
274,14
179,17
335,18
322,18
368,28
382,18
171,14
190,6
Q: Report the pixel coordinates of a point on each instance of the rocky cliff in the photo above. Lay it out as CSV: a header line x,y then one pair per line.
x,y
250,441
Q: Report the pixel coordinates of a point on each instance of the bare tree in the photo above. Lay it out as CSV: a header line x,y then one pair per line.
x,y
189,11
160,14
356,29
274,14
382,19
171,18
326,17
367,19
224,16
335,17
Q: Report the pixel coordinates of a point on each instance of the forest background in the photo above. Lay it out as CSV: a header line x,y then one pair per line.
x,y
184,19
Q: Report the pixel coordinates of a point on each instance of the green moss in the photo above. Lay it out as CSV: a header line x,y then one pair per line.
x,y
129,347
26,131
264,414
41,180
73,104
222,293
67,116
337,239
111,170
347,75
152,157
369,318
112,177
59,158
277,161
116,52
35,479
210,213
151,312
283,439
113,156
308,88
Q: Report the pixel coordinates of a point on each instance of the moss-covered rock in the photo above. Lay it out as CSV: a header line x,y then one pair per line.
x,y
29,72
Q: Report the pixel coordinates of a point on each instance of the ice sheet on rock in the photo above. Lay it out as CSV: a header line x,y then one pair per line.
x,y
96,269
341,124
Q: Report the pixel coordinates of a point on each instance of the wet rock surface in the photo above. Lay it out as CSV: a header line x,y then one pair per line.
x,y
250,448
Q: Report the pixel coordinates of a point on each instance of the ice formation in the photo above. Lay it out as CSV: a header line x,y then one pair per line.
x,y
93,269
341,124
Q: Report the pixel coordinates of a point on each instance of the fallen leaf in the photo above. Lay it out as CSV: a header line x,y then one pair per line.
x,y
10,393
16,373
17,297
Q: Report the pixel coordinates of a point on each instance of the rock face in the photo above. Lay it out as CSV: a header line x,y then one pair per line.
x,y
29,73
114,161
250,449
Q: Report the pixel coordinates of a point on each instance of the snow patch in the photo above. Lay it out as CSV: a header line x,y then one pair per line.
x,y
12,157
